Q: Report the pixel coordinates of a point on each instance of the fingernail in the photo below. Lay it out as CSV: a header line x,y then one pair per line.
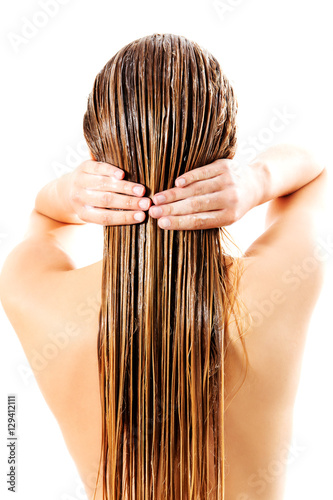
x,y
160,198
157,211
139,216
165,222
181,182
144,204
138,190
119,174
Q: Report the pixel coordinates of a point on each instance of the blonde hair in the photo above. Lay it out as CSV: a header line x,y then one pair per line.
x,y
161,107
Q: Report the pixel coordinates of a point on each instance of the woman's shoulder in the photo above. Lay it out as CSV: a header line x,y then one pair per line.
x,y
53,313
277,306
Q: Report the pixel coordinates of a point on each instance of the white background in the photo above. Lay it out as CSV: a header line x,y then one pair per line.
x,y
278,56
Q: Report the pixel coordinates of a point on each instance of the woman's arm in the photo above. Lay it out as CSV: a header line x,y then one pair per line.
x,y
214,195
53,201
229,190
283,170
89,193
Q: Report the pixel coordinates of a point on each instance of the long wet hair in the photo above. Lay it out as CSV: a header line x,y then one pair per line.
x,y
159,108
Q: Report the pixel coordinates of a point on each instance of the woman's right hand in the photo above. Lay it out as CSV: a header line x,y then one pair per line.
x,y
214,195
96,188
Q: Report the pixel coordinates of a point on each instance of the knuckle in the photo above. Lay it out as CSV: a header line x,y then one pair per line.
x,y
207,201
221,165
227,167
76,196
113,183
84,165
195,204
106,199
126,186
172,195
199,189
227,164
232,216
234,197
133,203
105,219
188,176
168,210
205,171
198,222
176,223
96,167
220,180
103,183
227,178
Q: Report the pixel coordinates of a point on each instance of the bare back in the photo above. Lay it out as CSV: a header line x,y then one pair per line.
x,y
258,420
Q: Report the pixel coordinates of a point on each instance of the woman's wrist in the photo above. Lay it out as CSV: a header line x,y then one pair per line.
x,y
53,200
281,170
259,182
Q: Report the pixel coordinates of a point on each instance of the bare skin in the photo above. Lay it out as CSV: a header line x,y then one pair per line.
x,y
277,288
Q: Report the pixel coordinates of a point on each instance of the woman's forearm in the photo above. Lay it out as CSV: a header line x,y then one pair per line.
x,y
53,201
283,169
276,172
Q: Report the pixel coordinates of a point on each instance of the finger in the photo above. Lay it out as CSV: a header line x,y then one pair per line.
x,y
192,205
106,183
102,168
195,189
200,173
204,220
107,217
106,199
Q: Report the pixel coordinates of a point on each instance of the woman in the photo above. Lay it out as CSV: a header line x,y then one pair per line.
x,y
180,381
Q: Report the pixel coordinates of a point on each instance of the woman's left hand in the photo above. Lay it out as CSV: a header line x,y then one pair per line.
x,y
214,195
96,189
